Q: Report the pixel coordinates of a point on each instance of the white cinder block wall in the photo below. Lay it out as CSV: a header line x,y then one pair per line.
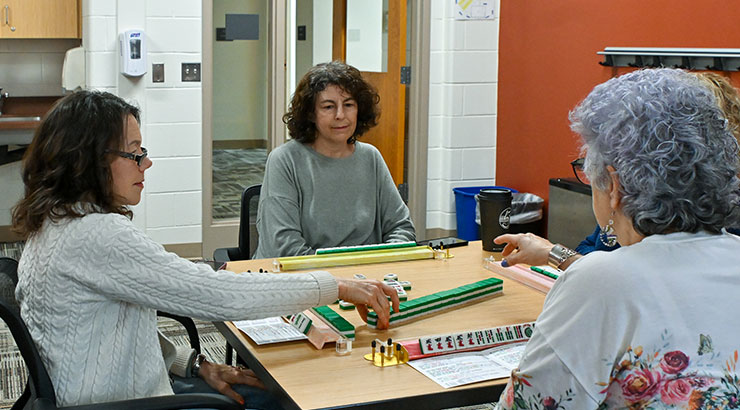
x,y
462,108
170,210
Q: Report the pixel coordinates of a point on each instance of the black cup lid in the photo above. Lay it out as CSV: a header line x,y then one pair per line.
x,y
497,193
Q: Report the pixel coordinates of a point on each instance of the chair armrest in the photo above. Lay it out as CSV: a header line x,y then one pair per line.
x,y
228,254
222,254
189,326
172,402
41,404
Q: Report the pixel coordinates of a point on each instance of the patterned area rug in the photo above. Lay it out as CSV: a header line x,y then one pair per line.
x,y
234,170
13,372
11,249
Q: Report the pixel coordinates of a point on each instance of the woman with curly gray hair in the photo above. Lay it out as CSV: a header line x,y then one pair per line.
x,y
647,325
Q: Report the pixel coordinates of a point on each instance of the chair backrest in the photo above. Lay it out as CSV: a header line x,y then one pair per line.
x,y
8,280
248,236
40,383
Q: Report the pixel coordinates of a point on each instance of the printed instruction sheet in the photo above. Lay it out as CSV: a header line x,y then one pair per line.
x,y
458,369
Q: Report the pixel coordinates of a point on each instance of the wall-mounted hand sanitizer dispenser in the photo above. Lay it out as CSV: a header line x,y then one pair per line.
x,y
133,53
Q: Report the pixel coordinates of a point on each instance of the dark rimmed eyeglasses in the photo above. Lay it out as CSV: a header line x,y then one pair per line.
x,y
577,165
134,157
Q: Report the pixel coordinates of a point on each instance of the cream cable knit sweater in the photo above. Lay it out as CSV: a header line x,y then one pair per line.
x,y
89,288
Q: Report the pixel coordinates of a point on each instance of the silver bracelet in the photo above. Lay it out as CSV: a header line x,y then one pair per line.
x,y
558,255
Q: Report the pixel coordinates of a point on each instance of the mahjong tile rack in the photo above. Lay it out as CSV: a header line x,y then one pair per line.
x,y
394,353
360,255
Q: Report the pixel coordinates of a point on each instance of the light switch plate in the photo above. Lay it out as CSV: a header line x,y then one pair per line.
x,y
158,73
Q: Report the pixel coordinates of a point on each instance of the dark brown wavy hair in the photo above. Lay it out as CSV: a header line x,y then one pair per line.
x,y
66,162
300,117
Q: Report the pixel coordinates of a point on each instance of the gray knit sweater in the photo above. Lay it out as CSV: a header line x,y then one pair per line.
x,y
89,289
311,201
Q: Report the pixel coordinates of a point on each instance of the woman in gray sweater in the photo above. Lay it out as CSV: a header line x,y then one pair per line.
x,y
324,188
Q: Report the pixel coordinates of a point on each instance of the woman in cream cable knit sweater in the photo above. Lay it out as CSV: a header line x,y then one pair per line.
x,y
90,282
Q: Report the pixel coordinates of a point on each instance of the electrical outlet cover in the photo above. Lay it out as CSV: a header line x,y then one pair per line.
x,y
191,72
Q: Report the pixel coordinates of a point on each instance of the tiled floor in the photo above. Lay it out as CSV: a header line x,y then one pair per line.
x,y
234,170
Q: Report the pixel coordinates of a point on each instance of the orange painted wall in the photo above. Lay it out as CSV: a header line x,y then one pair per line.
x,y
548,63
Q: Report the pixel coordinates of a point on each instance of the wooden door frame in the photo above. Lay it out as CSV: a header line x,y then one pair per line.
x,y
339,38
418,120
218,234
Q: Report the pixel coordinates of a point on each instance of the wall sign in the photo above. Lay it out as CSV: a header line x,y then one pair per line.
x,y
474,9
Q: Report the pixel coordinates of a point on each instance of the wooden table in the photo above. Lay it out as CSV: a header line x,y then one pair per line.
x,y
306,378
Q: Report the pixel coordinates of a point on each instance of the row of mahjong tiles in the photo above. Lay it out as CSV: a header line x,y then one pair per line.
x,y
416,308
474,339
443,300
427,346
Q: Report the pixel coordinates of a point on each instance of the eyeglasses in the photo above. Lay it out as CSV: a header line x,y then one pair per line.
x,y
135,157
577,165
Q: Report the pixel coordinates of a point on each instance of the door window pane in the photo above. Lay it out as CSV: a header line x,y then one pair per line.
x,y
239,103
367,35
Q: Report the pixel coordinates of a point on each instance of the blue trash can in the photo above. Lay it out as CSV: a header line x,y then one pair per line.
x,y
465,210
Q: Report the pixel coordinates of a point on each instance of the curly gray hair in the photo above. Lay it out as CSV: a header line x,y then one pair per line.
x,y
667,139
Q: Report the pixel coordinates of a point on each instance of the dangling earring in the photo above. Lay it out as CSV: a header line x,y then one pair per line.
x,y
607,235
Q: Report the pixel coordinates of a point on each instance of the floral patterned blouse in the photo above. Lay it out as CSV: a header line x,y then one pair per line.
x,y
654,325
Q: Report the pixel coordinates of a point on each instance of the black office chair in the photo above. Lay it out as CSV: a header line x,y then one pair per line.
x,y
189,326
248,236
248,240
8,279
39,392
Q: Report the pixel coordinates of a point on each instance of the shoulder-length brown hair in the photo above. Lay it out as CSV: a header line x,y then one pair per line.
x,y
300,117
66,162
